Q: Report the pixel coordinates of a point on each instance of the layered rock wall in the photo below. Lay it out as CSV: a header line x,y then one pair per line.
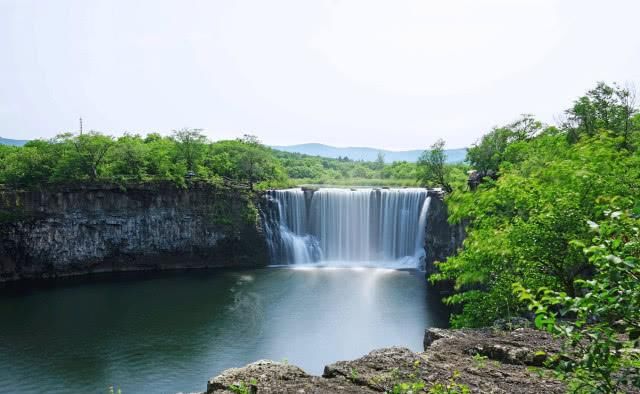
x,y
442,239
90,228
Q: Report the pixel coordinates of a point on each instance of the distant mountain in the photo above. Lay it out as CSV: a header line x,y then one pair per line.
x,y
7,141
367,154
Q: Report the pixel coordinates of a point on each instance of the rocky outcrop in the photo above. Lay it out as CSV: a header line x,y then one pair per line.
x,y
442,239
92,228
270,377
465,357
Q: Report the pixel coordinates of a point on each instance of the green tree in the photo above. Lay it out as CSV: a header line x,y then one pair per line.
x,y
244,160
487,155
433,168
81,155
129,158
163,159
255,162
191,145
27,166
603,108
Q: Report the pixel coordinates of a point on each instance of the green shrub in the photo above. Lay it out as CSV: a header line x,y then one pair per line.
x,y
450,387
600,325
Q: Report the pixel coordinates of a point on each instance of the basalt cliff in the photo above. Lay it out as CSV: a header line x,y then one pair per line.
x,y
76,229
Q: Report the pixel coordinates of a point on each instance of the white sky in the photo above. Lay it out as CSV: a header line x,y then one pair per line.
x,y
387,74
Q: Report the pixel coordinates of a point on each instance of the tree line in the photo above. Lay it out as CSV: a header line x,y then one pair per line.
x,y
94,156
187,155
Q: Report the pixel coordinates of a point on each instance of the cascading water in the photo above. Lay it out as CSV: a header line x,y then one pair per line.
x,y
342,226
286,228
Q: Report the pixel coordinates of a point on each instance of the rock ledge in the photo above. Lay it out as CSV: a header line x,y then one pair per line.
x,y
488,361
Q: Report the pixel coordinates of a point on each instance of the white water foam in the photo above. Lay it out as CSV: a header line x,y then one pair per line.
x,y
348,228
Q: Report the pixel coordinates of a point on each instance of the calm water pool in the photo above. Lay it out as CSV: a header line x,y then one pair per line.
x,y
170,332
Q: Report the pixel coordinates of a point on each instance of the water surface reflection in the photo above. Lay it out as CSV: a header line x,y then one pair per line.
x,y
172,332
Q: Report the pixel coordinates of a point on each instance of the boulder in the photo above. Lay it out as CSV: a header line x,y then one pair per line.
x,y
270,377
486,361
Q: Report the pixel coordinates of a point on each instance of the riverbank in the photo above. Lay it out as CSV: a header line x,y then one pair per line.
x,y
485,361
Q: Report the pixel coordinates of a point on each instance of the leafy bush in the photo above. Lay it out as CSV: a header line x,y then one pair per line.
x,y
600,325
244,388
408,387
450,387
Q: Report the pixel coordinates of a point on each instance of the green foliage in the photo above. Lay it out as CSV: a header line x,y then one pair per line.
x,y
432,167
353,375
129,158
479,360
605,107
251,213
450,387
413,386
400,170
315,170
244,388
345,182
86,153
245,160
600,325
28,165
184,157
190,144
521,227
408,387
487,155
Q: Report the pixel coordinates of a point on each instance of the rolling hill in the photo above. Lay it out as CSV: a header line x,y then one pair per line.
x,y
367,154
8,141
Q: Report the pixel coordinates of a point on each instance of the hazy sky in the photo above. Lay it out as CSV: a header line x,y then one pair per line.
x,y
387,74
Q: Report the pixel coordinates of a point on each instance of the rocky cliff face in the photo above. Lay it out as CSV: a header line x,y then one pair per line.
x,y
442,239
90,228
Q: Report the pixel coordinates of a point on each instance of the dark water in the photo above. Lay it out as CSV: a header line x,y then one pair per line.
x,y
172,332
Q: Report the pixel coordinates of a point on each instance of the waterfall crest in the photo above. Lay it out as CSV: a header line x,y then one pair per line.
x,y
343,226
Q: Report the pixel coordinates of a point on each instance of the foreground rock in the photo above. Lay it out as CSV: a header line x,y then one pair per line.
x,y
487,361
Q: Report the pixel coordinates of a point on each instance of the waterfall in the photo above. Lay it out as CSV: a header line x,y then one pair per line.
x,y
347,226
286,229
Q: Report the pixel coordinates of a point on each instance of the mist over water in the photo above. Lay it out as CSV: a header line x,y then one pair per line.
x,y
372,227
170,332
